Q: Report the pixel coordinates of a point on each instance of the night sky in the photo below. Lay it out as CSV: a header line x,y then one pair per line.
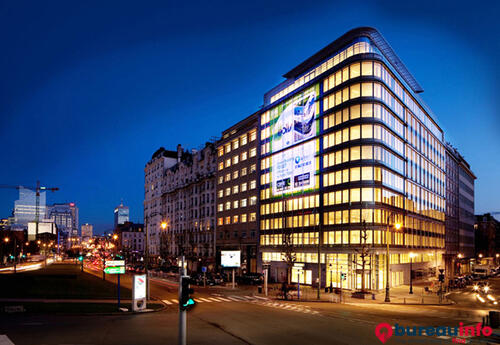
x,y
89,90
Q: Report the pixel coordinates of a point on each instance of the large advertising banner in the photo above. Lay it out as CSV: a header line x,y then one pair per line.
x,y
294,120
294,169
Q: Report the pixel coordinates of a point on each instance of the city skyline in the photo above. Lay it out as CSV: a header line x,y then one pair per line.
x,y
96,165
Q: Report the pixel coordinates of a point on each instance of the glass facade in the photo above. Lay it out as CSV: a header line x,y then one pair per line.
x,y
378,158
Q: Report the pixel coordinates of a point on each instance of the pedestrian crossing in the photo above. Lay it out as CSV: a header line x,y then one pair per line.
x,y
263,301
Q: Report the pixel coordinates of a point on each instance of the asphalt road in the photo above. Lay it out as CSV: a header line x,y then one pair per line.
x,y
224,316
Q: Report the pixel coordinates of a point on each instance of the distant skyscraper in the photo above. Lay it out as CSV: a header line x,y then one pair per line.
x,y
87,231
66,217
121,214
25,207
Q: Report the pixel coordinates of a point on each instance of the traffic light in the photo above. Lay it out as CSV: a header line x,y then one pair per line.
x,y
80,258
186,291
441,278
343,276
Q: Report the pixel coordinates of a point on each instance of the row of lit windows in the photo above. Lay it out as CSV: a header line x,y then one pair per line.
x,y
424,172
236,173
365,194
422,201
298,221
366,110
236,204
236,189
421,139
367,173
236,159
302,238
357,48
378,237
300,203
366,89
368,215
367,131
252,217
236,143
356,153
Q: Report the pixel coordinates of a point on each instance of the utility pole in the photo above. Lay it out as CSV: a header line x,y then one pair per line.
x,y
182,311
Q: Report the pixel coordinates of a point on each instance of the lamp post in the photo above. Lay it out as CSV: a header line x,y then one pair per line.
x,y
412,255
397,226
146,254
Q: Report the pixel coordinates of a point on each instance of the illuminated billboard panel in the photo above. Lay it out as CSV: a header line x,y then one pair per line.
x,y
294,120
294,169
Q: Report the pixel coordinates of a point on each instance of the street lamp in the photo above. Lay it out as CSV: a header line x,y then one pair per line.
x,y
412,255
480,256
397,226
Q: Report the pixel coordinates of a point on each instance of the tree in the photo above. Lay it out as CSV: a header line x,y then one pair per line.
x,y
290,256
364,251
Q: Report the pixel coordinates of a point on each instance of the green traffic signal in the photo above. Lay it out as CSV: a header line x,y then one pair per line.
x,y
186,300
80,258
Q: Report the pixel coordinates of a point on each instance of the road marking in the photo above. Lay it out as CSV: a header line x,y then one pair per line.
x,y
166,301
234,299
214,299
224,299
175,301
205,300
249,298
238,298
197,300
4,340
262,298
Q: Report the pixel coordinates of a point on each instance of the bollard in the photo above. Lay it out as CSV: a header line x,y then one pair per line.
x,y
404,300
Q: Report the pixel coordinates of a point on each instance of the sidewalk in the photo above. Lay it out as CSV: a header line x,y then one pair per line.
x,y
398,295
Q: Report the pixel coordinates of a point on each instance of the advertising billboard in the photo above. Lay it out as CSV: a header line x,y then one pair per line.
x,y
139,287
294,120
230,258
43,228
294,169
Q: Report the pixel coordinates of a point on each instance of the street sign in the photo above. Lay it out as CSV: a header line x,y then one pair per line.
x,y
203,269
115,263
115,270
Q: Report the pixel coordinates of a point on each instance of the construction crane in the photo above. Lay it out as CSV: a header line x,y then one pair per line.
x,y
37,189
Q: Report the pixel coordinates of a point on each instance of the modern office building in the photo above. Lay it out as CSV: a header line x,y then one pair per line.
x,y
122,214
238,191
25,207
65,215
459,215
154,187
348,150
188,208
87,231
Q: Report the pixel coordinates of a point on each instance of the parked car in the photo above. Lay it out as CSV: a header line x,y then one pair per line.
x,y
250,279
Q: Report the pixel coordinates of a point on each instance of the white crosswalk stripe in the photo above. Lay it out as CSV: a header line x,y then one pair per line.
x,y
224,299
4,340
175,301
166,301
214,299
239,298
206,300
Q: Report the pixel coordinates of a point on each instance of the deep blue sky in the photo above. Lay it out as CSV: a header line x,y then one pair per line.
x,y
89,90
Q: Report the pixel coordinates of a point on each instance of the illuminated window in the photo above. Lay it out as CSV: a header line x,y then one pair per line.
x,y
355,91
221,165
235,204
355,153
355,195
367,194
366,90
366,68
253,184
253,200
221,193
355,70
220,207
243,202
243,140
253,217
221,179
228,205
235,144
228,177
227,148
220,151
253,135
236,219
253,152
236,159
244,187
228,220
228,191
236,189
244,155
355,132
366,131
244,218
243,171
228,162
253,168
355,236
366,152
220,221
235,174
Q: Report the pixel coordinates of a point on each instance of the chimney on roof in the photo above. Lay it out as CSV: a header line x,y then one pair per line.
x,y
179,153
